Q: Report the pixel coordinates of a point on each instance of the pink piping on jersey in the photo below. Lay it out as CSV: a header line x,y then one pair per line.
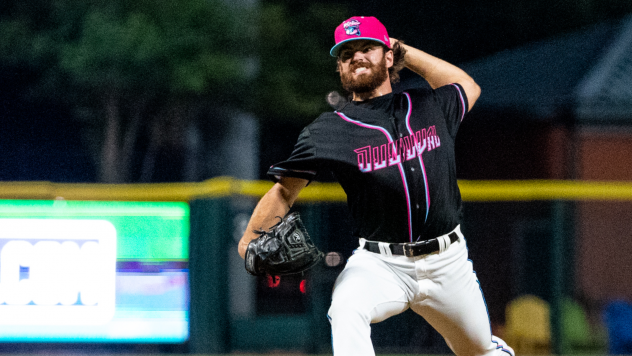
x,y
462,101
421,161
401,168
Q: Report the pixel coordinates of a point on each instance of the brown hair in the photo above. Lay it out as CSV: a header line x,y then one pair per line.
x,y
399,52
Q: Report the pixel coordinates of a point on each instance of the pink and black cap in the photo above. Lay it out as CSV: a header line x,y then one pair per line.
x,y
359,28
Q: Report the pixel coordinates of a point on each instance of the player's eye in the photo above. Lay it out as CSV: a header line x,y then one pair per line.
x,y
345,56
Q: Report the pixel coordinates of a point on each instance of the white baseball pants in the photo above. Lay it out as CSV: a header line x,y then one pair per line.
x,y
441,287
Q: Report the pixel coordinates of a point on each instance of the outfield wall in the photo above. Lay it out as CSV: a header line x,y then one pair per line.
x,y
549,238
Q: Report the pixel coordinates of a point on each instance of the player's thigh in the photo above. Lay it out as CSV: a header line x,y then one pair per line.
x,y
370,289
460,316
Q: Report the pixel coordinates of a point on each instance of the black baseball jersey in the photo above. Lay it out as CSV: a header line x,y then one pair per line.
x,y
394,157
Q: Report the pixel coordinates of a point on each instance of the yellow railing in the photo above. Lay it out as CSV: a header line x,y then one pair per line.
x,y
526,190
471,190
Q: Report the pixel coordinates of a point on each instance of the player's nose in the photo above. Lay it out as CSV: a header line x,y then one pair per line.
x,y
357,56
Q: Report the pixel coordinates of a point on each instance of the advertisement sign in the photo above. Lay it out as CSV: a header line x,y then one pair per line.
x,y
76,271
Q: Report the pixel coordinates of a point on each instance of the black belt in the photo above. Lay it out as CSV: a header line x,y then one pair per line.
x,y
411,249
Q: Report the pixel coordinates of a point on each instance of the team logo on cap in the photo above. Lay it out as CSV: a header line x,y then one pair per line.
x,y
352,27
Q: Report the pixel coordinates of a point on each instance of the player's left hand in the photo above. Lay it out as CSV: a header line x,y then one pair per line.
x,y
285,249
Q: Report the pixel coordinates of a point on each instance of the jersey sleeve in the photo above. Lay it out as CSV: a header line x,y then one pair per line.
x,y
303,162
453,102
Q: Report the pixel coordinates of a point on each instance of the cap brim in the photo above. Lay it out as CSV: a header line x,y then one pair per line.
x,y
335,49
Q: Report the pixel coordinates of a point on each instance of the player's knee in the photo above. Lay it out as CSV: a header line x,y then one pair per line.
x,y
342,311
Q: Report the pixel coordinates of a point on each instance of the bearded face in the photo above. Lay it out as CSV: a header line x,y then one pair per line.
x,y
364,81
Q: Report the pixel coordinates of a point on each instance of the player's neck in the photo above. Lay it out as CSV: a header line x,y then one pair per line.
x,y
383,89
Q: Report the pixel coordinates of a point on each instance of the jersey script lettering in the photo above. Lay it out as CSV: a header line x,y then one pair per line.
x,y
372,158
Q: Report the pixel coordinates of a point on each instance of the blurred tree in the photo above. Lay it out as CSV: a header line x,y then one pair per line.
x,y
296,69
119,62
125,66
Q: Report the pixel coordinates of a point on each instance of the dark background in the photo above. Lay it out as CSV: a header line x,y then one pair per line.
x,y
40,139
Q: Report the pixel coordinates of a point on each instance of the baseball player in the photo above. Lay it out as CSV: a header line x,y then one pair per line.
x,y
393,154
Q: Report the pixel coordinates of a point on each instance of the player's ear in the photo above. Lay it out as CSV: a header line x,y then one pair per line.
x,y
389,58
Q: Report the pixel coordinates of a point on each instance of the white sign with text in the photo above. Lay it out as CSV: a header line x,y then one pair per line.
x,y
57,272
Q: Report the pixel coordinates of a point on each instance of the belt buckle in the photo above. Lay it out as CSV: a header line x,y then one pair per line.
x,y
408,250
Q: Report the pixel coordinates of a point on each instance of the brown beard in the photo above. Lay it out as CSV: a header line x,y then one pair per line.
x,y
367,82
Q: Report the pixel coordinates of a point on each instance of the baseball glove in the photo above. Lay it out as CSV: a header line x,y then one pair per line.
x,y
285,249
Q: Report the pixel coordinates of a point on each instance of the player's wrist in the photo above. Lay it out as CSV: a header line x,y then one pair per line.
x,y
241,249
